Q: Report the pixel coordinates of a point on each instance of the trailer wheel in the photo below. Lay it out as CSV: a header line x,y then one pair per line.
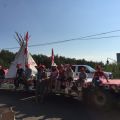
x,y
99,98
102,99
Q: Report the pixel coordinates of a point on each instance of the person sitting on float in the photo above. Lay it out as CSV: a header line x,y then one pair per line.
x,y
98,75
54,76
61,77
68,75
28,72
82,77
27,76
19,76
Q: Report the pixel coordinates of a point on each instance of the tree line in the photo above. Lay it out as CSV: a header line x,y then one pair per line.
x,y
6,57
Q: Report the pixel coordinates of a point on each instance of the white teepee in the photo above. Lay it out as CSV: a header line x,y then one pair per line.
x,y
23,57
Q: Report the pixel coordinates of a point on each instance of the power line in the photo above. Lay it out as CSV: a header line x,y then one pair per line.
x,y
57,42
80,38
89,37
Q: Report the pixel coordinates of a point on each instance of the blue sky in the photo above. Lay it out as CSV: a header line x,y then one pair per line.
x,y
55,20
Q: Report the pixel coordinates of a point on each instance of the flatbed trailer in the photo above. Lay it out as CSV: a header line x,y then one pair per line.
x,y
102,95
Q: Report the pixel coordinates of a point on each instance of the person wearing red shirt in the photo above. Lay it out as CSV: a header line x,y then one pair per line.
x,y
99,74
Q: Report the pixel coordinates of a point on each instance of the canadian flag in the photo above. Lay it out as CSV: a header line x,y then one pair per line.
x,y
52,57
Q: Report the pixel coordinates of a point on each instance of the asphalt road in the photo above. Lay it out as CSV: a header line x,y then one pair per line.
x,y
54,108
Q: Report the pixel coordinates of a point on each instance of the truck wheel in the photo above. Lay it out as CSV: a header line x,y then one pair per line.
x,y
102,99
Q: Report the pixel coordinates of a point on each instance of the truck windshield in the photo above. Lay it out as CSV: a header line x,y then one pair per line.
x,y
91,69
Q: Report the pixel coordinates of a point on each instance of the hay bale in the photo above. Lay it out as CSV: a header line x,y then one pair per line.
x,y
6,113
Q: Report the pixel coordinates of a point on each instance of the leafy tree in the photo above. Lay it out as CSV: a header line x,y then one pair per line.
x,y
6,57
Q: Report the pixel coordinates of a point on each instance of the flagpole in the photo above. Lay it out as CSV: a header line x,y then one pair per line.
x,y
26,49
52,57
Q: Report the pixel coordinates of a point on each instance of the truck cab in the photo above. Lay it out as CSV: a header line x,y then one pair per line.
x,y
89,70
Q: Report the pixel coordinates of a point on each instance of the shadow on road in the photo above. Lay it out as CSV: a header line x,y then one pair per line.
x,y
54,108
